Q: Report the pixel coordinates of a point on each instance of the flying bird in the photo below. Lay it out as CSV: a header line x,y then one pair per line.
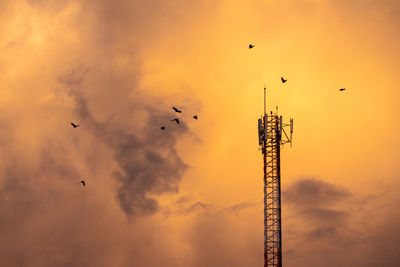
x,y
177,120
342,89
82,182
251,46
74,125
163,128
283,80
195,117
177,110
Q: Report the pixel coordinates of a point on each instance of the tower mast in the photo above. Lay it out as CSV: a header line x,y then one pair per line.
x,y
272,136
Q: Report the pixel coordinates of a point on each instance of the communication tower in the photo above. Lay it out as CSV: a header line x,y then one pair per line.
x,y
273,133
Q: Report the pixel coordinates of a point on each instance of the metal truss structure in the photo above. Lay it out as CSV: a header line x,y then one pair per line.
x,y
272,136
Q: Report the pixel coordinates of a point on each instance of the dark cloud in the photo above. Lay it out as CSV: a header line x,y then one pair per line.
x,y
319,204
316,214
238,207
188,204
46,217
323,232
323,221
197,207
185,199
191,209
312,192
148,160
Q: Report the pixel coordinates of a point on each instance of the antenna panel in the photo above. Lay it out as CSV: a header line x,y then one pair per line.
x,y
260,131
291,126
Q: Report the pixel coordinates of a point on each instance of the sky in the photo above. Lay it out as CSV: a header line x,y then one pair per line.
x,y
193,195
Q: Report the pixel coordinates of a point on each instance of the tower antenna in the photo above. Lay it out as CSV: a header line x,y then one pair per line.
x,y
265,99
272,136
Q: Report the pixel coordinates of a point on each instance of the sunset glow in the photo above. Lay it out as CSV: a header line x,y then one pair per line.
x,y
192,195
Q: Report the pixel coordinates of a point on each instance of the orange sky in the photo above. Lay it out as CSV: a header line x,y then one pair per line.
x,y
192,196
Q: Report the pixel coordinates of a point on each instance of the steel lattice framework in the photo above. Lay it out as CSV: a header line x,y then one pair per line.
x,y
272,136
272,193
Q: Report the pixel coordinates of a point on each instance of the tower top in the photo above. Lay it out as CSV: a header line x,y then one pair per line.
x,y
265,99
285,136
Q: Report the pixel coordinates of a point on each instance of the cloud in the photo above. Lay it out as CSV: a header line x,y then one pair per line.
x,y
190,204
325,215
185,199
330,220
148,160
238,207
313,192
111,67
84,66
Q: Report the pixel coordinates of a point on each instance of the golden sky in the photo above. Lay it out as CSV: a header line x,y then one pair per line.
x,y
192,195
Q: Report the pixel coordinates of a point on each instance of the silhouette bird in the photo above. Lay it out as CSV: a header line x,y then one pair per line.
x,y
195,117
74,125
283,80
83,182
342,89
163,128
177,110
177,120
251,46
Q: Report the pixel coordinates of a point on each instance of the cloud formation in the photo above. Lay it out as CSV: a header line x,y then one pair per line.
x,y
117,67
74,61
329,221
314,192
148,160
